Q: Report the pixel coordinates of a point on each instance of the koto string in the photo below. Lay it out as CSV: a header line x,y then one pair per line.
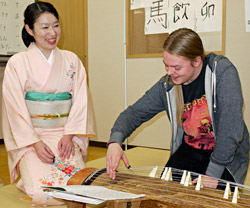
x,y
175,171
146,170
161,183
147,192
107,182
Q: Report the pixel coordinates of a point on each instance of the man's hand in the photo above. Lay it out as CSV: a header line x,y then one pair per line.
x,y
114,155
207,181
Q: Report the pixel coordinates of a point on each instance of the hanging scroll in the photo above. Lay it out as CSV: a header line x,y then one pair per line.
x,y
149,22
11,24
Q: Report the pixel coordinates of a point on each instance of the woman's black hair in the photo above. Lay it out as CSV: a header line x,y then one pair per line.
x,y
31,14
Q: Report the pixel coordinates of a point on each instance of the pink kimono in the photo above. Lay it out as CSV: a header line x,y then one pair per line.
x,y
29,71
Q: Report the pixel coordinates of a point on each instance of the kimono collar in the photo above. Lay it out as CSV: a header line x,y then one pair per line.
x,y
49,60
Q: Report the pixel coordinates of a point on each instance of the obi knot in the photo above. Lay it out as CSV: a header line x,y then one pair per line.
x,y
51,96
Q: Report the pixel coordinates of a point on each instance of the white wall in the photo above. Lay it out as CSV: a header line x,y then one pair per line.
x,y
106,70
106,62
1,83
238,48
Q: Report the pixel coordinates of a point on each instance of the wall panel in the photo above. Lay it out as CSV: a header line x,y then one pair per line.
x,y
107,70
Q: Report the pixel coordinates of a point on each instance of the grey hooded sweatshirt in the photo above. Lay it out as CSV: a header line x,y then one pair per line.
x,y
225,103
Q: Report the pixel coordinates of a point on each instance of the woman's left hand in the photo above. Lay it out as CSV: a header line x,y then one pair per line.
x,y
207,181
66,147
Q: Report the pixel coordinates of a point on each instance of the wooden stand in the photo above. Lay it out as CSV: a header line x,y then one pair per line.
x,y
131,203
73,204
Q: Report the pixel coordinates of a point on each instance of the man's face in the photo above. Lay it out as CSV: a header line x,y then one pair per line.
x,y
181,69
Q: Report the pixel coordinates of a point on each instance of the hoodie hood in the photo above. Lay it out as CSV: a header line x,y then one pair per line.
x,y
212,59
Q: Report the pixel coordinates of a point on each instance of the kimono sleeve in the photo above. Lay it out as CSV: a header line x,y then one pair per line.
x,y
80,120
18,130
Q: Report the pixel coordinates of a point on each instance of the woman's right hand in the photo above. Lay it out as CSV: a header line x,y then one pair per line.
x,y
114,155
43,152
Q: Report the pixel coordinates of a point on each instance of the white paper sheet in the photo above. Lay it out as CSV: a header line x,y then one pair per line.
x,y
165,16
138,4
73,197
156,18
94,192
247,14
208,14
181,14
11,24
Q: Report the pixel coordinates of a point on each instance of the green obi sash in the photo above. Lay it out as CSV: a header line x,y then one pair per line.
x,y
50,96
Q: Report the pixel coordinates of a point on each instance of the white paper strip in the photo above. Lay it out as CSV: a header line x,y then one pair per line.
x,y
96,192
247,14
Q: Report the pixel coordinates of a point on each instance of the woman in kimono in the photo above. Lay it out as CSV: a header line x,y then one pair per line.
x,y
47,114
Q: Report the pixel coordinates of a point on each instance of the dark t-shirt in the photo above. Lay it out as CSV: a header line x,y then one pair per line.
x,y
197,123
198,140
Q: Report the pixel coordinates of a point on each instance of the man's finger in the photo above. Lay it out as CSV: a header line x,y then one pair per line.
x,y
125,160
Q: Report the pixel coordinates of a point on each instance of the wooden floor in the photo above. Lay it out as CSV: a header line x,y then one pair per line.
x,y
93,153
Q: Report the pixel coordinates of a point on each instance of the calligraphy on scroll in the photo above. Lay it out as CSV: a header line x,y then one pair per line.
x,y
11,24
165,16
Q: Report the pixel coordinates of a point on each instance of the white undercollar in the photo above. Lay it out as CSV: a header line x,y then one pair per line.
x,y
49,60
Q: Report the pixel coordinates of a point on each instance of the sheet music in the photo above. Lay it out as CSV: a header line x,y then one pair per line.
x,y
73,197
95,192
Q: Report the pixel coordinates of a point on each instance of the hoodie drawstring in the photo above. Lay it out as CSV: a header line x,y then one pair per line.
x,y
214,85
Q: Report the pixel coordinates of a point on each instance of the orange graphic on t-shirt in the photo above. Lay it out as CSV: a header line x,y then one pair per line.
x,y
197,125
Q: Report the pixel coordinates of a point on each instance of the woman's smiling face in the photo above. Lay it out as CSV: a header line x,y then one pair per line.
x,y
46,32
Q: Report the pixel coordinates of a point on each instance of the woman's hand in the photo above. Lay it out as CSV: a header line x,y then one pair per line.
x,y
66,147
114,155
207,181
43,152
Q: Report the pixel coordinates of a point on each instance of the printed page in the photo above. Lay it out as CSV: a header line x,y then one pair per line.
x,y
73,197
97,192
